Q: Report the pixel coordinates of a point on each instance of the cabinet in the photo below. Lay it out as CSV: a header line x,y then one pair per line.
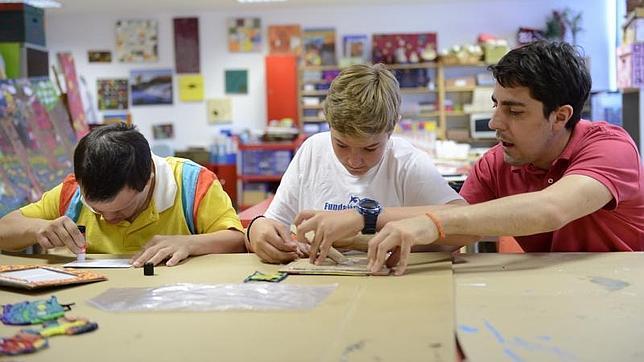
x,y
430,91
260,167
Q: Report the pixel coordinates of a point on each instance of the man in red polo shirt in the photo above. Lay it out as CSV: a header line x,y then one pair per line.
x,y
554,181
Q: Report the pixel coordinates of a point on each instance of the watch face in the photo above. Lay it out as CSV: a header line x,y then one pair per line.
x,y
368,204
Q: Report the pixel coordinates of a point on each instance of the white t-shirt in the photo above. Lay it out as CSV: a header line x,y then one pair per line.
x,y
316,180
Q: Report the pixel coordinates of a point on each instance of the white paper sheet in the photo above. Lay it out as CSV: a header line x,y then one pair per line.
x,y
100,263
38,275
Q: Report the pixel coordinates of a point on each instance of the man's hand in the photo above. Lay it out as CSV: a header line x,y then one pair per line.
x,y
329,227
175,248
398,237
272,242
60,232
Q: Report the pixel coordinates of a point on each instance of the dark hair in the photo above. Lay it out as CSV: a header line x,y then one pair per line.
x,y
555,73
110,158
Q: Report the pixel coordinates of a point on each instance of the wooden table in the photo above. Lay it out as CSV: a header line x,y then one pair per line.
x,y
550,307
365,319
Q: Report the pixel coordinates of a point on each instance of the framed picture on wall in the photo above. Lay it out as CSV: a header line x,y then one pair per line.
x,y
236,81
150,87
244,35
136,41
284,39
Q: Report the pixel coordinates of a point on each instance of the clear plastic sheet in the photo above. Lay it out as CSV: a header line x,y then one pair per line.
x,y
213,297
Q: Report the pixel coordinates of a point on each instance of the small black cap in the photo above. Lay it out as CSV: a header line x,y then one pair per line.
x,y
148,269
81,228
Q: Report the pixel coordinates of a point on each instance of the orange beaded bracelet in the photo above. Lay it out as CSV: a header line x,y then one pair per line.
x,y
437,223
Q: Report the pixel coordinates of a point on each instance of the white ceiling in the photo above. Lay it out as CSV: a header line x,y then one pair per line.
x,y
139,6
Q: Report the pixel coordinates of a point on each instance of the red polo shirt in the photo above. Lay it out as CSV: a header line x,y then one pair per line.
x,y
596,149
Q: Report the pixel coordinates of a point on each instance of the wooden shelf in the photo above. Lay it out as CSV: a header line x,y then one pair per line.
x,y
456,65
422,115
272,146
319,106
314,93
456,113
313,120
426,65
460,89
417,90
314,68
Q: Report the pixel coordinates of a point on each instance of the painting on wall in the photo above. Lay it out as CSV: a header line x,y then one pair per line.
x,y
151,86
285,39
220,110
191,88
74,101
355,47
236,81
319,46
244,35
112,94
186,45
162,131
136,41
99,56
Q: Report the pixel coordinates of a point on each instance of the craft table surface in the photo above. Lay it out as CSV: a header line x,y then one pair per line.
x,y
550,307
365,319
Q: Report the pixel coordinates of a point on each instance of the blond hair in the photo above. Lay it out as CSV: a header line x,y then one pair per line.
x,y
363,100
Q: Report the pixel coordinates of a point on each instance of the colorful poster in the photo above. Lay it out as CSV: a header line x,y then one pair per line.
x,y
99,56
74,102
319,46
285,39
151,86
136,41
191,88
236,81
186,45
404,48
355,47
244,35
49,96
14,162
162,131
112,94
220,110
46,153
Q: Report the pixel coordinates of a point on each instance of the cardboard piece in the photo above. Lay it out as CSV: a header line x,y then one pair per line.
x,y
36,276
352,324
550,307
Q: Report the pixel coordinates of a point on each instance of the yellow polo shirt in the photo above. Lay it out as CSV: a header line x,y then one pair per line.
x,y
163,216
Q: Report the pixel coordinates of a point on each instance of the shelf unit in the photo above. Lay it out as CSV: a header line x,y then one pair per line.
x,y
315,80
264,173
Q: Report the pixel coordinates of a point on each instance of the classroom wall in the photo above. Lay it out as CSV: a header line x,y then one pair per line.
x,y
456,22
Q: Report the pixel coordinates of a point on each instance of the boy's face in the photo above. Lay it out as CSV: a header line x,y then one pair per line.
x,y
126,205
358,155
525,134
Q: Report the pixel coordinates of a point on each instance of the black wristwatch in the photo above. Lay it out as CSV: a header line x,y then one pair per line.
x,y
369,209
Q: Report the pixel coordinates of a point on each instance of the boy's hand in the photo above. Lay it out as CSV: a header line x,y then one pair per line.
x,y
174,248
272,242
60,232
329,227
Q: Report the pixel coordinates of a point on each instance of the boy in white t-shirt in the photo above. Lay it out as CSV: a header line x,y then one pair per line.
x,y
358,162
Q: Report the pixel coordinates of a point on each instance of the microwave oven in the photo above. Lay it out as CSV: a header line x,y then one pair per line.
x,y
479,126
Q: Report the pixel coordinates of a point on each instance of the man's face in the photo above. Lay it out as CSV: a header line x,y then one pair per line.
x,y
526,135
127,205
358,155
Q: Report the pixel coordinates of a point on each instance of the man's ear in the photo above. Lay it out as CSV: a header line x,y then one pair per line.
x,y
562,115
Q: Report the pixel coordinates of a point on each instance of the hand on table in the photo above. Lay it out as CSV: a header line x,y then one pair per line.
x,y
60,232
272,242
398,237
175,248
329,227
